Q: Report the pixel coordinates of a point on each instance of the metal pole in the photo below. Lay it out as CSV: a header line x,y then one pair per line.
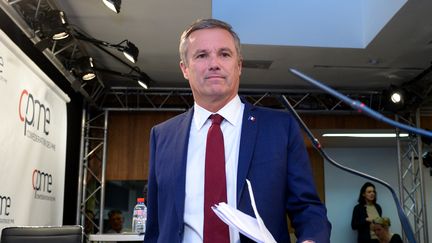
x,y
102,200
422,185
400,171
81,167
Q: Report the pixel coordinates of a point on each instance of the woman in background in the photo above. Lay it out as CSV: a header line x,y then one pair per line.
x,y
364,212
381,228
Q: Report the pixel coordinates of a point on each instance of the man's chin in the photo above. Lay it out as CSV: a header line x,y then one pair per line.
x,y
218,93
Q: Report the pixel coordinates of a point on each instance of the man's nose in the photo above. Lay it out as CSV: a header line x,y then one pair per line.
x,y
214,63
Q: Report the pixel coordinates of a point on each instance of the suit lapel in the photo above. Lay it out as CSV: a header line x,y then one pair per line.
x,y
247,144
182,141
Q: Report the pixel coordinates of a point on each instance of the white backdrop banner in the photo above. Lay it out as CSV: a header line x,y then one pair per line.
x,y
32,141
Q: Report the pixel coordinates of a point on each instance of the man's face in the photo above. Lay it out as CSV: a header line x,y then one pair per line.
x,y
116,222
212,66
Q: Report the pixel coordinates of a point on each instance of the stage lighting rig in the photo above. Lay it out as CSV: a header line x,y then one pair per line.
x,y
54,25
135,75
56,19
51,26
129,49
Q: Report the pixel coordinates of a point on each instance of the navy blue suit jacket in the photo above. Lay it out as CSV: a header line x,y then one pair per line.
x,y
272,156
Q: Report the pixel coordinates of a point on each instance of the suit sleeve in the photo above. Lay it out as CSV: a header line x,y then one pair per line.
x,y
306,211
152,228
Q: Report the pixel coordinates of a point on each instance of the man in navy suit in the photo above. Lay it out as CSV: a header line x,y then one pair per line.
x,y
262,145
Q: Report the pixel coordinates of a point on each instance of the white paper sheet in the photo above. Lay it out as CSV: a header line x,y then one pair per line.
x,y
251,227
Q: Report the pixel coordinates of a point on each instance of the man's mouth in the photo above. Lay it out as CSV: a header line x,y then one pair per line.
x,y
215,77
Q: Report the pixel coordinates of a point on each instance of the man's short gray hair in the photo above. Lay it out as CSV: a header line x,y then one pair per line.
x,y
206,24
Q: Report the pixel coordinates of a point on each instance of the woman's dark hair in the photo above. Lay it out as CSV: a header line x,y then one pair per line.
x,y
361,199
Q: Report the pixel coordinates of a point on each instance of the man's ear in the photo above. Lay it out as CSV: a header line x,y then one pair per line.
x,y
184,70
240,65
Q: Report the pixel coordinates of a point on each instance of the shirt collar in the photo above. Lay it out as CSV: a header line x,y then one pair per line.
x,y
230,112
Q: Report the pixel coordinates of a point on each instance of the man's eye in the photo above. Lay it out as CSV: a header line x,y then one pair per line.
x,y
226,54
200,56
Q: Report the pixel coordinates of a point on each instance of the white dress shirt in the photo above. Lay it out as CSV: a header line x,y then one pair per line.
x,y
194,200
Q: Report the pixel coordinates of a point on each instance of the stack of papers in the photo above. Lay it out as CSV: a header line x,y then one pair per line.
x,y
251,227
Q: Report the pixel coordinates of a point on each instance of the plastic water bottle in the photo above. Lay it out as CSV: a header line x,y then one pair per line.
x,y
139,216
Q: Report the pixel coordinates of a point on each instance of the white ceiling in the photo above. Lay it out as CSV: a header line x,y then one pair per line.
x,y
399,52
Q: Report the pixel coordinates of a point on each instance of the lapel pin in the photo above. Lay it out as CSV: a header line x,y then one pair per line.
x,y
251,118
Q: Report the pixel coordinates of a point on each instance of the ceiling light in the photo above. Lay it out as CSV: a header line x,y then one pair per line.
x,y
114,5
131,52
365,135
84,68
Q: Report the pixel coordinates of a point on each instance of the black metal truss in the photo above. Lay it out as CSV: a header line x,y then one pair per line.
x,y
166,99
27,14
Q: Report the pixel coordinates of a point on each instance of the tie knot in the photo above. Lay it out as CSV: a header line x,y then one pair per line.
x,y
216,119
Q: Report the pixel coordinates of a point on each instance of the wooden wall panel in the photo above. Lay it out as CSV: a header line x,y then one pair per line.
x,y
128,143
342,122
426,122
128,140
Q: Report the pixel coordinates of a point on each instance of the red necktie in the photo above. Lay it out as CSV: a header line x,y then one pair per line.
x,y
215,230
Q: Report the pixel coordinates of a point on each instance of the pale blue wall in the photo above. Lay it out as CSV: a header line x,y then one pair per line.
x,y
342,188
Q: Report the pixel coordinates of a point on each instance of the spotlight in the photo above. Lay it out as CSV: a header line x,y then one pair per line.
x,y
114,5
396,96
84,68
143,80
131,52
143,84
54,25
394,99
